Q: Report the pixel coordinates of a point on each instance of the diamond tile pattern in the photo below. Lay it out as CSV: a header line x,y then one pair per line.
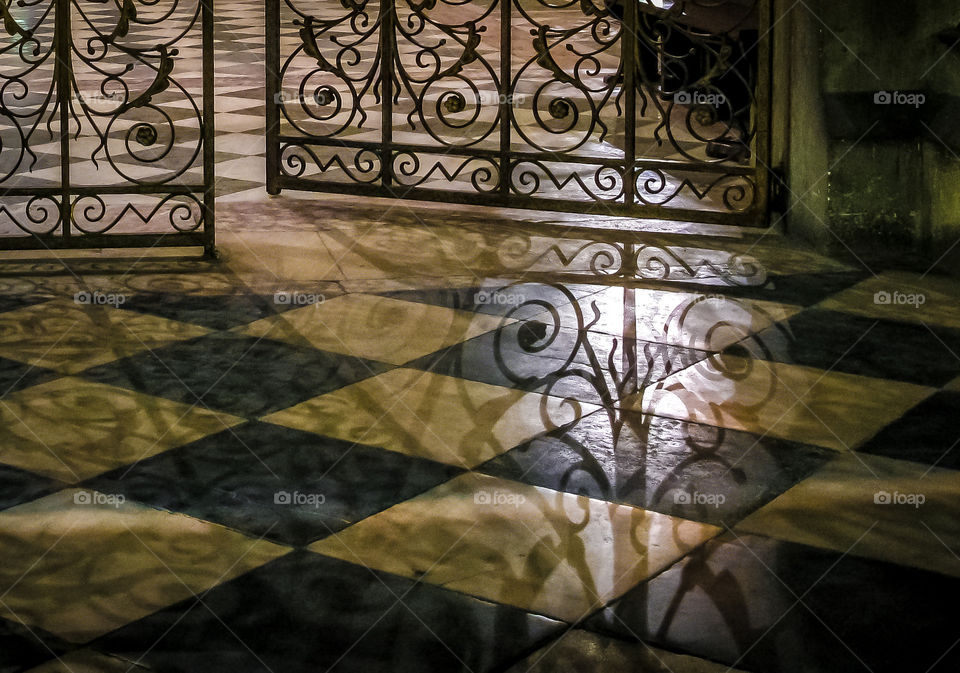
x,y
471,484
409,477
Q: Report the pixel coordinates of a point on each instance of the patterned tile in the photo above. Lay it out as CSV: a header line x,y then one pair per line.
x,y
461,423
71,429
215,312
866,346
23,646
283,484
926,434
535,356
145,560
828,409
335,617
692,471
891,510
378,328
543,551
764,605
241,375
15,376
897,296
70,337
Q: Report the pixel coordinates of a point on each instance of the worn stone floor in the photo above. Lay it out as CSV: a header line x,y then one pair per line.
x,y
394,437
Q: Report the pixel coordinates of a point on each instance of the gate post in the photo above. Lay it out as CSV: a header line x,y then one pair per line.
x,y
387,49
63,67
209,132
628,60
272,65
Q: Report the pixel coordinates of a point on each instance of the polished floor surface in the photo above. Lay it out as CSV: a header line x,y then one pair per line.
x,y
384,437
375,437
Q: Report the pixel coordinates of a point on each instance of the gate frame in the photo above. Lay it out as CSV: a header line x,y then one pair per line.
x,y
757,215
63,237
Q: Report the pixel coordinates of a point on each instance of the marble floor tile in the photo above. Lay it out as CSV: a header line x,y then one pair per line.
x,y
377,328
237,374
307,612
265,480
441,418
69,337
892,510
695,472
811,406
927,434
71,429
888,296
543,551
765,605
146,559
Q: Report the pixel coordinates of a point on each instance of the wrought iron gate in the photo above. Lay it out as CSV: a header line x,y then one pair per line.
x,y
106,123
652,108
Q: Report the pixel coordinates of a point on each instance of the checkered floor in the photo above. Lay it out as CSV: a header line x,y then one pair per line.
x,y
361,445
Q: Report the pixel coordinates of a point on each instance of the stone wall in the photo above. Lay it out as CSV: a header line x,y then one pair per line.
x,y
865,175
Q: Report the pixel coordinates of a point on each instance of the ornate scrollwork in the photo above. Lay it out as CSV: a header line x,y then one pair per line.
x,y
545,112
97,81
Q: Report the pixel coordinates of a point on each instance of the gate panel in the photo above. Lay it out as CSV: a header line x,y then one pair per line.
x,y
106,123
649,107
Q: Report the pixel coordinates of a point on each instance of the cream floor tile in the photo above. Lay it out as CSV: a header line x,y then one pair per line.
x,y
579,651
544,551
70,337
71,429
282,255
378,328
79,564
940,305
454,421
861,503
830,409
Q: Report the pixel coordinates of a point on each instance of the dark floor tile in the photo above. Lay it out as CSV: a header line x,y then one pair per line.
x,y
736,601
19,486
236,478
215,312
864,346
530,355
802,289
13,302
309,613
241,375
928,433
674,467
16,376
22,648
